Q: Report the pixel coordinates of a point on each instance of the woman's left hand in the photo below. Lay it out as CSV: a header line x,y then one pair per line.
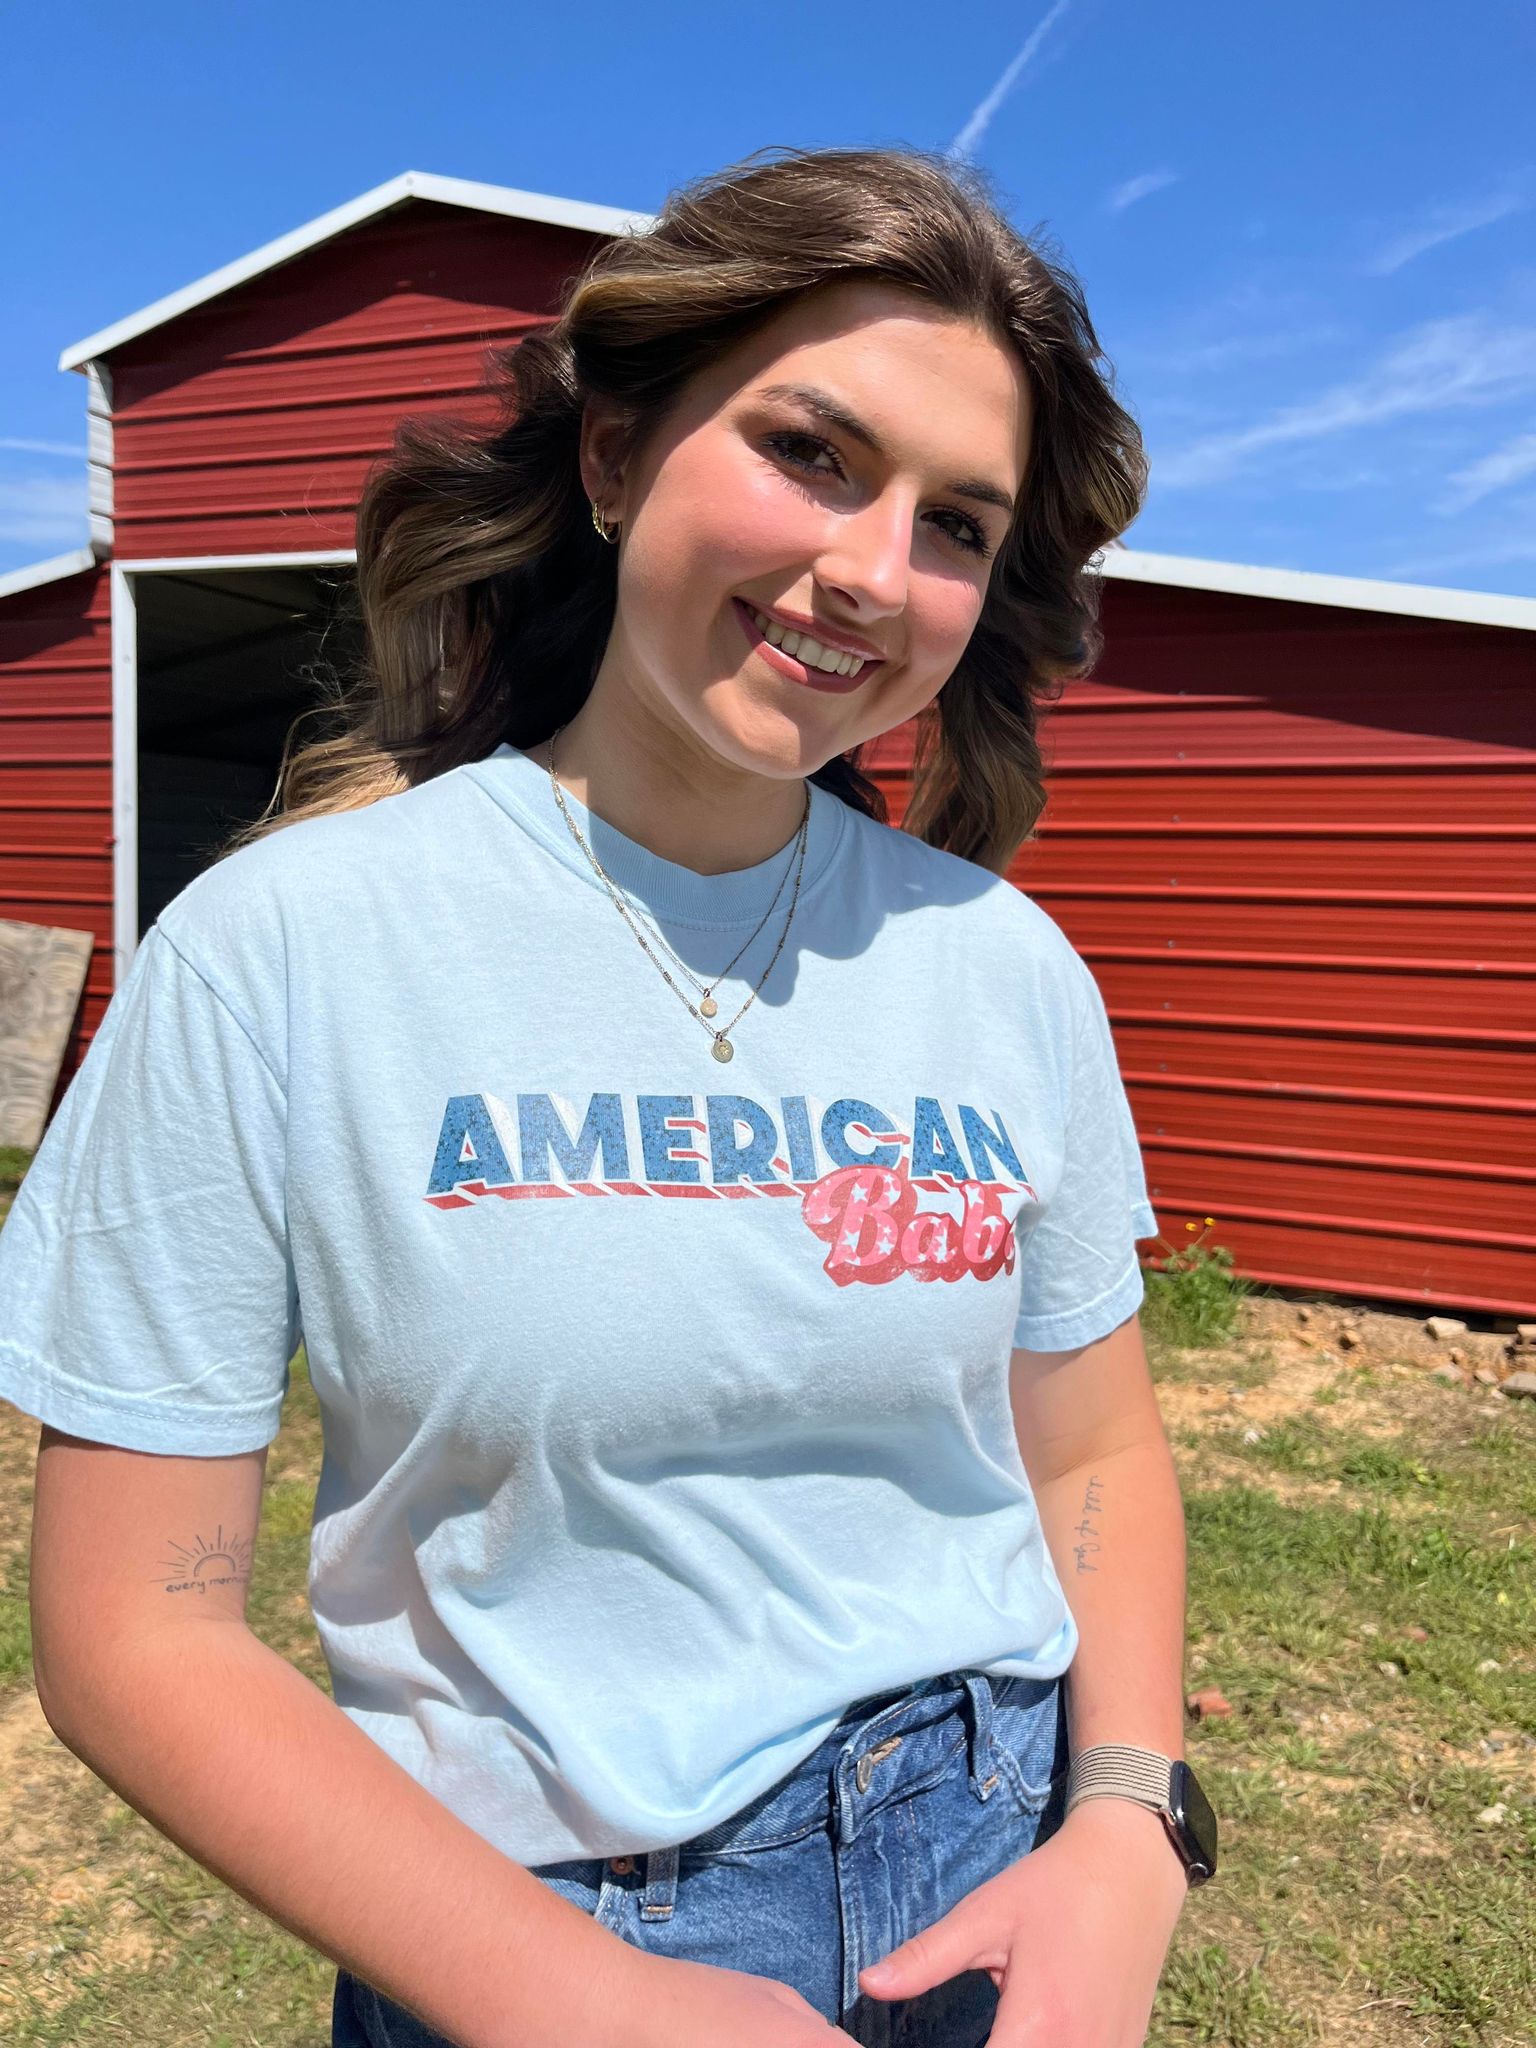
x,y
1074,1935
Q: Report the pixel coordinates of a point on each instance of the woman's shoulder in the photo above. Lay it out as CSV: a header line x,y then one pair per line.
x,y
985,908
302,878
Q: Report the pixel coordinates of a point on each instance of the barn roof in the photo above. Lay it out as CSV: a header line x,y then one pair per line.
x,y
1307,586
56,566
466,192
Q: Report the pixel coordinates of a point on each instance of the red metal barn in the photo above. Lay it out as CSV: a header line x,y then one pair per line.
x,y
1292,824
1292,828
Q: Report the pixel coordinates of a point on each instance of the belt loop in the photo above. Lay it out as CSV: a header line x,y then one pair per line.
x,y
983,1777
660,1894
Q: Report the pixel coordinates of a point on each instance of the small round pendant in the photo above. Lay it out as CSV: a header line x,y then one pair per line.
x,y
707,1007
723,1049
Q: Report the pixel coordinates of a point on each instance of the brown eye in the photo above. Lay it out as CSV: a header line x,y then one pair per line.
x,y
782,443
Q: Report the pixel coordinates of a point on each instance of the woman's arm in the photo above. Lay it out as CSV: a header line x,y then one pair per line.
x,y
1092,1440
253,1771
167,1695
1075,1934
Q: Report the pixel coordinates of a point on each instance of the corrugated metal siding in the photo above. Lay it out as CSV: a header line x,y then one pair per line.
x,y
248,424
1297,846
56,775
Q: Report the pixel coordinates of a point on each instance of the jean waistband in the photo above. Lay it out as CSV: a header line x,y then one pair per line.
x,y
883,1746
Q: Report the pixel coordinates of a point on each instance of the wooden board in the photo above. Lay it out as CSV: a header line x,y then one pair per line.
x,y
42,974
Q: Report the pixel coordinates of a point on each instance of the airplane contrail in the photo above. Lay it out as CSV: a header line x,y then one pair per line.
x,y
965,142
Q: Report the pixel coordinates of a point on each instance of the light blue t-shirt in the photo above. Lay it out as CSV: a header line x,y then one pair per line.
x,y
665,1399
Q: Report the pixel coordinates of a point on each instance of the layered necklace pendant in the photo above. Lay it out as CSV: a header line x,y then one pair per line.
x,y
721,1048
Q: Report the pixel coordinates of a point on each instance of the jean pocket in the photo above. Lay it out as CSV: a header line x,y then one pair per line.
x,y
1029,1739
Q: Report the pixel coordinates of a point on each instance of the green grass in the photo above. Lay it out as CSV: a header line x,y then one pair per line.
x,y
1192,1295
1350,1796
1207,1998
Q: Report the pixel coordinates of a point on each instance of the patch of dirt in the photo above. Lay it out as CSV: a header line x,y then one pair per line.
x,y
47,1893
1390,1334
1307,1350
18,1464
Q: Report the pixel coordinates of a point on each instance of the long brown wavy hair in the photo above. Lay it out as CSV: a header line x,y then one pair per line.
x,y
485,598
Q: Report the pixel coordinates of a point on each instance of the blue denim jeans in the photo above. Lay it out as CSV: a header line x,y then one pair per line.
x,y
911,1801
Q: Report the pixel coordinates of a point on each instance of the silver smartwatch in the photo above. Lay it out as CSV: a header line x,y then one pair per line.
x,y
1166,1784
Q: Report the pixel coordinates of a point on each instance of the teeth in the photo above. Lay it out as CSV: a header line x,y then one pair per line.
x,y
805,649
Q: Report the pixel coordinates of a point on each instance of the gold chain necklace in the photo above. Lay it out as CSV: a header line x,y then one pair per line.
x,y
722,1047
705,990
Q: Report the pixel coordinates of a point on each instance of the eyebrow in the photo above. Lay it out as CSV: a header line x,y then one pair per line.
x,y
826,407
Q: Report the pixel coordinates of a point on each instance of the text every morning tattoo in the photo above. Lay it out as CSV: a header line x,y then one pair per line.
x,y
200,1565
1093,1504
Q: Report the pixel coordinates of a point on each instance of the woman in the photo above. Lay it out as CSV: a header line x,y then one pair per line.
x,y
712,1213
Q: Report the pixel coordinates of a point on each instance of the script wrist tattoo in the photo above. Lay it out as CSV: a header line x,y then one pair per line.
x,y
1088,1544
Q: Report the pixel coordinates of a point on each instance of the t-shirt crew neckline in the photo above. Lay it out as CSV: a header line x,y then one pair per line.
x,y
520,785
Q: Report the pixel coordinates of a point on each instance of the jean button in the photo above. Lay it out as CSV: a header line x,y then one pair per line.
x,y
621,1866
864,1769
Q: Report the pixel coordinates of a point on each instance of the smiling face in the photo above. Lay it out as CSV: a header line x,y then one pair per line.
x,y
749,497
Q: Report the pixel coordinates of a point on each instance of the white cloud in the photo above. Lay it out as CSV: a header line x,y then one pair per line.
x,y
1467,359
1367,477
1511,464
1265,346
976,127
49,513
1442,224
72,451
1255,319
1496,550
1140,188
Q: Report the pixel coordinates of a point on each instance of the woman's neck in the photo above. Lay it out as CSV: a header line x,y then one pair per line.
x,y
671,795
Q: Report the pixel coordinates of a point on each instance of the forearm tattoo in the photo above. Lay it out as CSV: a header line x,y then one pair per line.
x,y
194,1567
1088,1536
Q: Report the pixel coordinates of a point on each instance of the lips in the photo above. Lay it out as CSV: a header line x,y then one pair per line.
x,y
798,671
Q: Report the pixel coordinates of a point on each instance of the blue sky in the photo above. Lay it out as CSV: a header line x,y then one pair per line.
x,y
1305,233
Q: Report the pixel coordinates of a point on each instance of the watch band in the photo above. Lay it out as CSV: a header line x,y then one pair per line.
x,y
1166,1784
1140,1774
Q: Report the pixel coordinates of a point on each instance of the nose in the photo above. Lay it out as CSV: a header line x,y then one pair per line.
x,y
871,564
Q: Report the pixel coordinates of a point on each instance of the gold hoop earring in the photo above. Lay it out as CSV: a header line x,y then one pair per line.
x,y
601,530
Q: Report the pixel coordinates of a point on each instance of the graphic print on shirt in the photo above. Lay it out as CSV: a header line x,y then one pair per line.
x,y
859,1177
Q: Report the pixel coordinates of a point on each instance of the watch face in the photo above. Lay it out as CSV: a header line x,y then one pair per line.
x,y
1194,1820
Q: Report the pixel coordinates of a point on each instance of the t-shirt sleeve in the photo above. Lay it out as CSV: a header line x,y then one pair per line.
x,y
1080,1276
147,1295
